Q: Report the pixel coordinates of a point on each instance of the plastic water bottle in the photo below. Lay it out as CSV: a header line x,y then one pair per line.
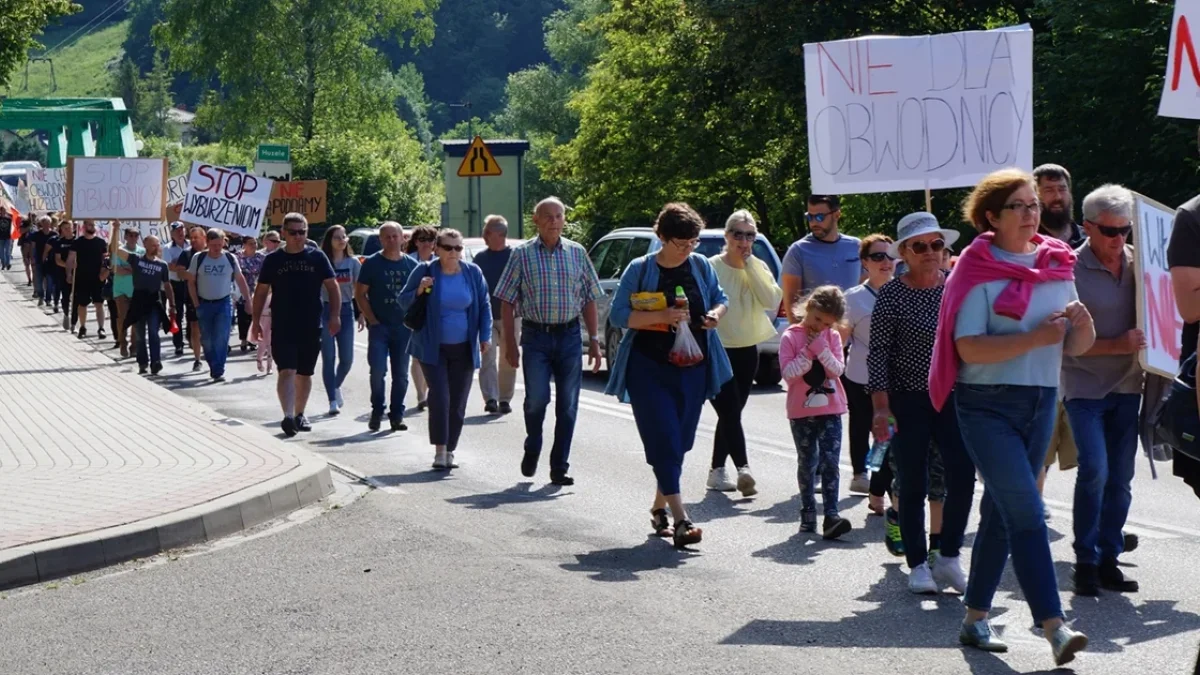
x,y
879,450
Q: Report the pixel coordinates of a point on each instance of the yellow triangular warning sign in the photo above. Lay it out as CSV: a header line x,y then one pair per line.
x,y
478,161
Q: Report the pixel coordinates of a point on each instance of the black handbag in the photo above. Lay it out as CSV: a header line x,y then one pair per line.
x,y
1178,416
414,318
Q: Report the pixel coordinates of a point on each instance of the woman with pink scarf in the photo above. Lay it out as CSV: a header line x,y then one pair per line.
x,y
1008,314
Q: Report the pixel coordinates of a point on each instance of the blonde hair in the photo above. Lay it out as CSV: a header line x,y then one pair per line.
x,y
827,299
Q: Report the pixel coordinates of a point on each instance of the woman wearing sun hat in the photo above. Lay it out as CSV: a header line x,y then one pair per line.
x,y
904,325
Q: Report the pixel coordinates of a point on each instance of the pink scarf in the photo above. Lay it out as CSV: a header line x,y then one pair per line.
x,y
977,266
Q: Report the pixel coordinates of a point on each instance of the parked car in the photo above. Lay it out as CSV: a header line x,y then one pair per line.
x,y
473,245
364,241
613,253
14,172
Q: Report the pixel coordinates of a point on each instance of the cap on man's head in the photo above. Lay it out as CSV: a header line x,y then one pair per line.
x,y
176,225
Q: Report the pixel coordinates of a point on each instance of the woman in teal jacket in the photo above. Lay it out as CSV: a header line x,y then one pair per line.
x,y
667,396
458,328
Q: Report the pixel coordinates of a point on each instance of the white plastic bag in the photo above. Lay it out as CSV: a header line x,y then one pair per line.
x,y
686,351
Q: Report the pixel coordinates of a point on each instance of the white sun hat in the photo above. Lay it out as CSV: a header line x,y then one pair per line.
x,y
917,224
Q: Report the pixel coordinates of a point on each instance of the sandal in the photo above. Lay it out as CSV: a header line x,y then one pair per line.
x,y
660,524
686,534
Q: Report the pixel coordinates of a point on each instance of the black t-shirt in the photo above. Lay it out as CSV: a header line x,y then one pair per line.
x,y
295,280
89,257
39,240
656,344
61,250
48,250
1184,251
148,275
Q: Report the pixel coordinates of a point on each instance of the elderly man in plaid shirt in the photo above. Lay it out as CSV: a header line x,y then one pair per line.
x,y
552,281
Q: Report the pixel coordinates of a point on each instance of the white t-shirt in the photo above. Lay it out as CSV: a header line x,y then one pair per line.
x,y
860,302
171,256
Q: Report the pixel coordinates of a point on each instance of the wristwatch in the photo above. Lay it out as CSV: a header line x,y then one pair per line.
x,y
593,338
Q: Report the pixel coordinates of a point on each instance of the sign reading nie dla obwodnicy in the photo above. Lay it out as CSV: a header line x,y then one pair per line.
x,y
234,201
889,114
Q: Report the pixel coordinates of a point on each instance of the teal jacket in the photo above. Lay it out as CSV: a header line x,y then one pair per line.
x,y
642,275
426,343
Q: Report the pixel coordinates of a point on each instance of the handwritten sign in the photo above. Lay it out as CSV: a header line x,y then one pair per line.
x,y
125,188
47,189
907,113
306,197
232,200
1181,87
1157,313
176,193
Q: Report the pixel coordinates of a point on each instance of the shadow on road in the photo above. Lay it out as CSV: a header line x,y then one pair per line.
x,y
427,476
521,493
626,564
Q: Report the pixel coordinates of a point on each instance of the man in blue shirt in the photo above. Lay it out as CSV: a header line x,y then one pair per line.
x,y
377,293
823,257
497,377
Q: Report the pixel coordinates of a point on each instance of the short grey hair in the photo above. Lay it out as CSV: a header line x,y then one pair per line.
x,y
495,223
1112,199
741,216
548,201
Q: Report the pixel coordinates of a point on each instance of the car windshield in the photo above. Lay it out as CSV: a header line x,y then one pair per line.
x,y
710,246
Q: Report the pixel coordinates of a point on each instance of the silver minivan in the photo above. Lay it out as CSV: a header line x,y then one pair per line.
x,y
613,253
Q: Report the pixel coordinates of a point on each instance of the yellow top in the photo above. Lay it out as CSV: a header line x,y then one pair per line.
x,y
753,295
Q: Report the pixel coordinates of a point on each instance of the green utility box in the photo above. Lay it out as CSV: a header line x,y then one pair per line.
x,y
469,200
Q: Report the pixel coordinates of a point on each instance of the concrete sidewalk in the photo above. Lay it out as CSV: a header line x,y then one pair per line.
x,y
99,465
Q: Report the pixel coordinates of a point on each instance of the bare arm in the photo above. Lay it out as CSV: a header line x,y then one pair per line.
x,y
590,318
364,303
1185,281
170,294
71,265
995,348
243,287
509,321
791,293
261,291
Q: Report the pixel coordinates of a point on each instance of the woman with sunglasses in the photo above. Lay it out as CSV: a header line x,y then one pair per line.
x,y
457,330
337,351
1009,314
860,301
904,325
271,241
422,244
753,295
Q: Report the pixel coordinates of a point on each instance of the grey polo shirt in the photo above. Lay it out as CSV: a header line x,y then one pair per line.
x,y
1112,303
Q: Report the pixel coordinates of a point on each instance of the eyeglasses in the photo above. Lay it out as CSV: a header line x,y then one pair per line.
x,y
879,256
271,241
446,247
819,217
920,247
743,235
425,240
1113,232
296,233
1021,208
686,244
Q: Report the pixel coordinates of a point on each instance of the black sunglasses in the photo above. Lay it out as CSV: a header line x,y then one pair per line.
x,y
742,235
296,233
446,247
1113,232
819,217
425,239
920,247
878,257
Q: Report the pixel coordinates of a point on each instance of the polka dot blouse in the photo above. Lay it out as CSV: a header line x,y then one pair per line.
x,y
903,327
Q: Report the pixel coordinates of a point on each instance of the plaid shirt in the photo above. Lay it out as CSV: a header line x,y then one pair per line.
x,y
550,286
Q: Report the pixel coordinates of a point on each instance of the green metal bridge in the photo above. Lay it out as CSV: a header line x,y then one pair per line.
x,y
77,127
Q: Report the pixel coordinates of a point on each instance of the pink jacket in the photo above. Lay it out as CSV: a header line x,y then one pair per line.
x,y
977,266
809,392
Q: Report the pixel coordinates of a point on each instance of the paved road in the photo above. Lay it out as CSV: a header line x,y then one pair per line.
x,y
483,569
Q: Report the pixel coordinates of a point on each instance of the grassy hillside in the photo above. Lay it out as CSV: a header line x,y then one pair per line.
x,y
84,68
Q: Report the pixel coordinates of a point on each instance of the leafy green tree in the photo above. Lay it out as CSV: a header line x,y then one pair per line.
x,y
20,22
299,67
155,100
127,87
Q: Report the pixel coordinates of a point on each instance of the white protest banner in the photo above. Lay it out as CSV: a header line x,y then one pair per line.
x,y
888,114
1181,87
1157,314
124,188
176,193
232,200
47,189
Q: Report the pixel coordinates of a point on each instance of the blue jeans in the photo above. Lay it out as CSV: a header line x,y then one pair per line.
x,y
149,325
388,344
6,246
337,351
667,402
1106,433
1007,430
818,449
547,355
917,423
38,283
216,319
47,287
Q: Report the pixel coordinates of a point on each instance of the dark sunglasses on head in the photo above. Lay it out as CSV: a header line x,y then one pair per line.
x,y
920,247
819,217
878,257
742,235
1113,232
296,233
446,247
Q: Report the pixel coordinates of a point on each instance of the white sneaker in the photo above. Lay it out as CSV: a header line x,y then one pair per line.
x,y
949,572
334,408
718,480
450,461
440,459
860,485
746,482
338,397
920,580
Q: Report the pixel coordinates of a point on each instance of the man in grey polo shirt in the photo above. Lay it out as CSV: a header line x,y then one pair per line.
x,y
1103,391
824,256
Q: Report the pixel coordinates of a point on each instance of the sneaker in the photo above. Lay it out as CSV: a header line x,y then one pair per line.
x,y
66,324
337,396
302,423
218,378
375,421
450,463
561,479
807,526
1113,579
422,405
41,302
439,460
1130,541
948,571
100,334
1066,643
397,424
195,366
979,635
892,539
178,353
860,485
834,526
289,426
156,367
505,408
142,370
333,408
82,332
719,481
491,407
920,580
1087,580
746,483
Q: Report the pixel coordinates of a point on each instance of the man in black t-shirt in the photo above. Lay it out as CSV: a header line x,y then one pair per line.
x,y
39,239
293,276
86,272
1183,259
